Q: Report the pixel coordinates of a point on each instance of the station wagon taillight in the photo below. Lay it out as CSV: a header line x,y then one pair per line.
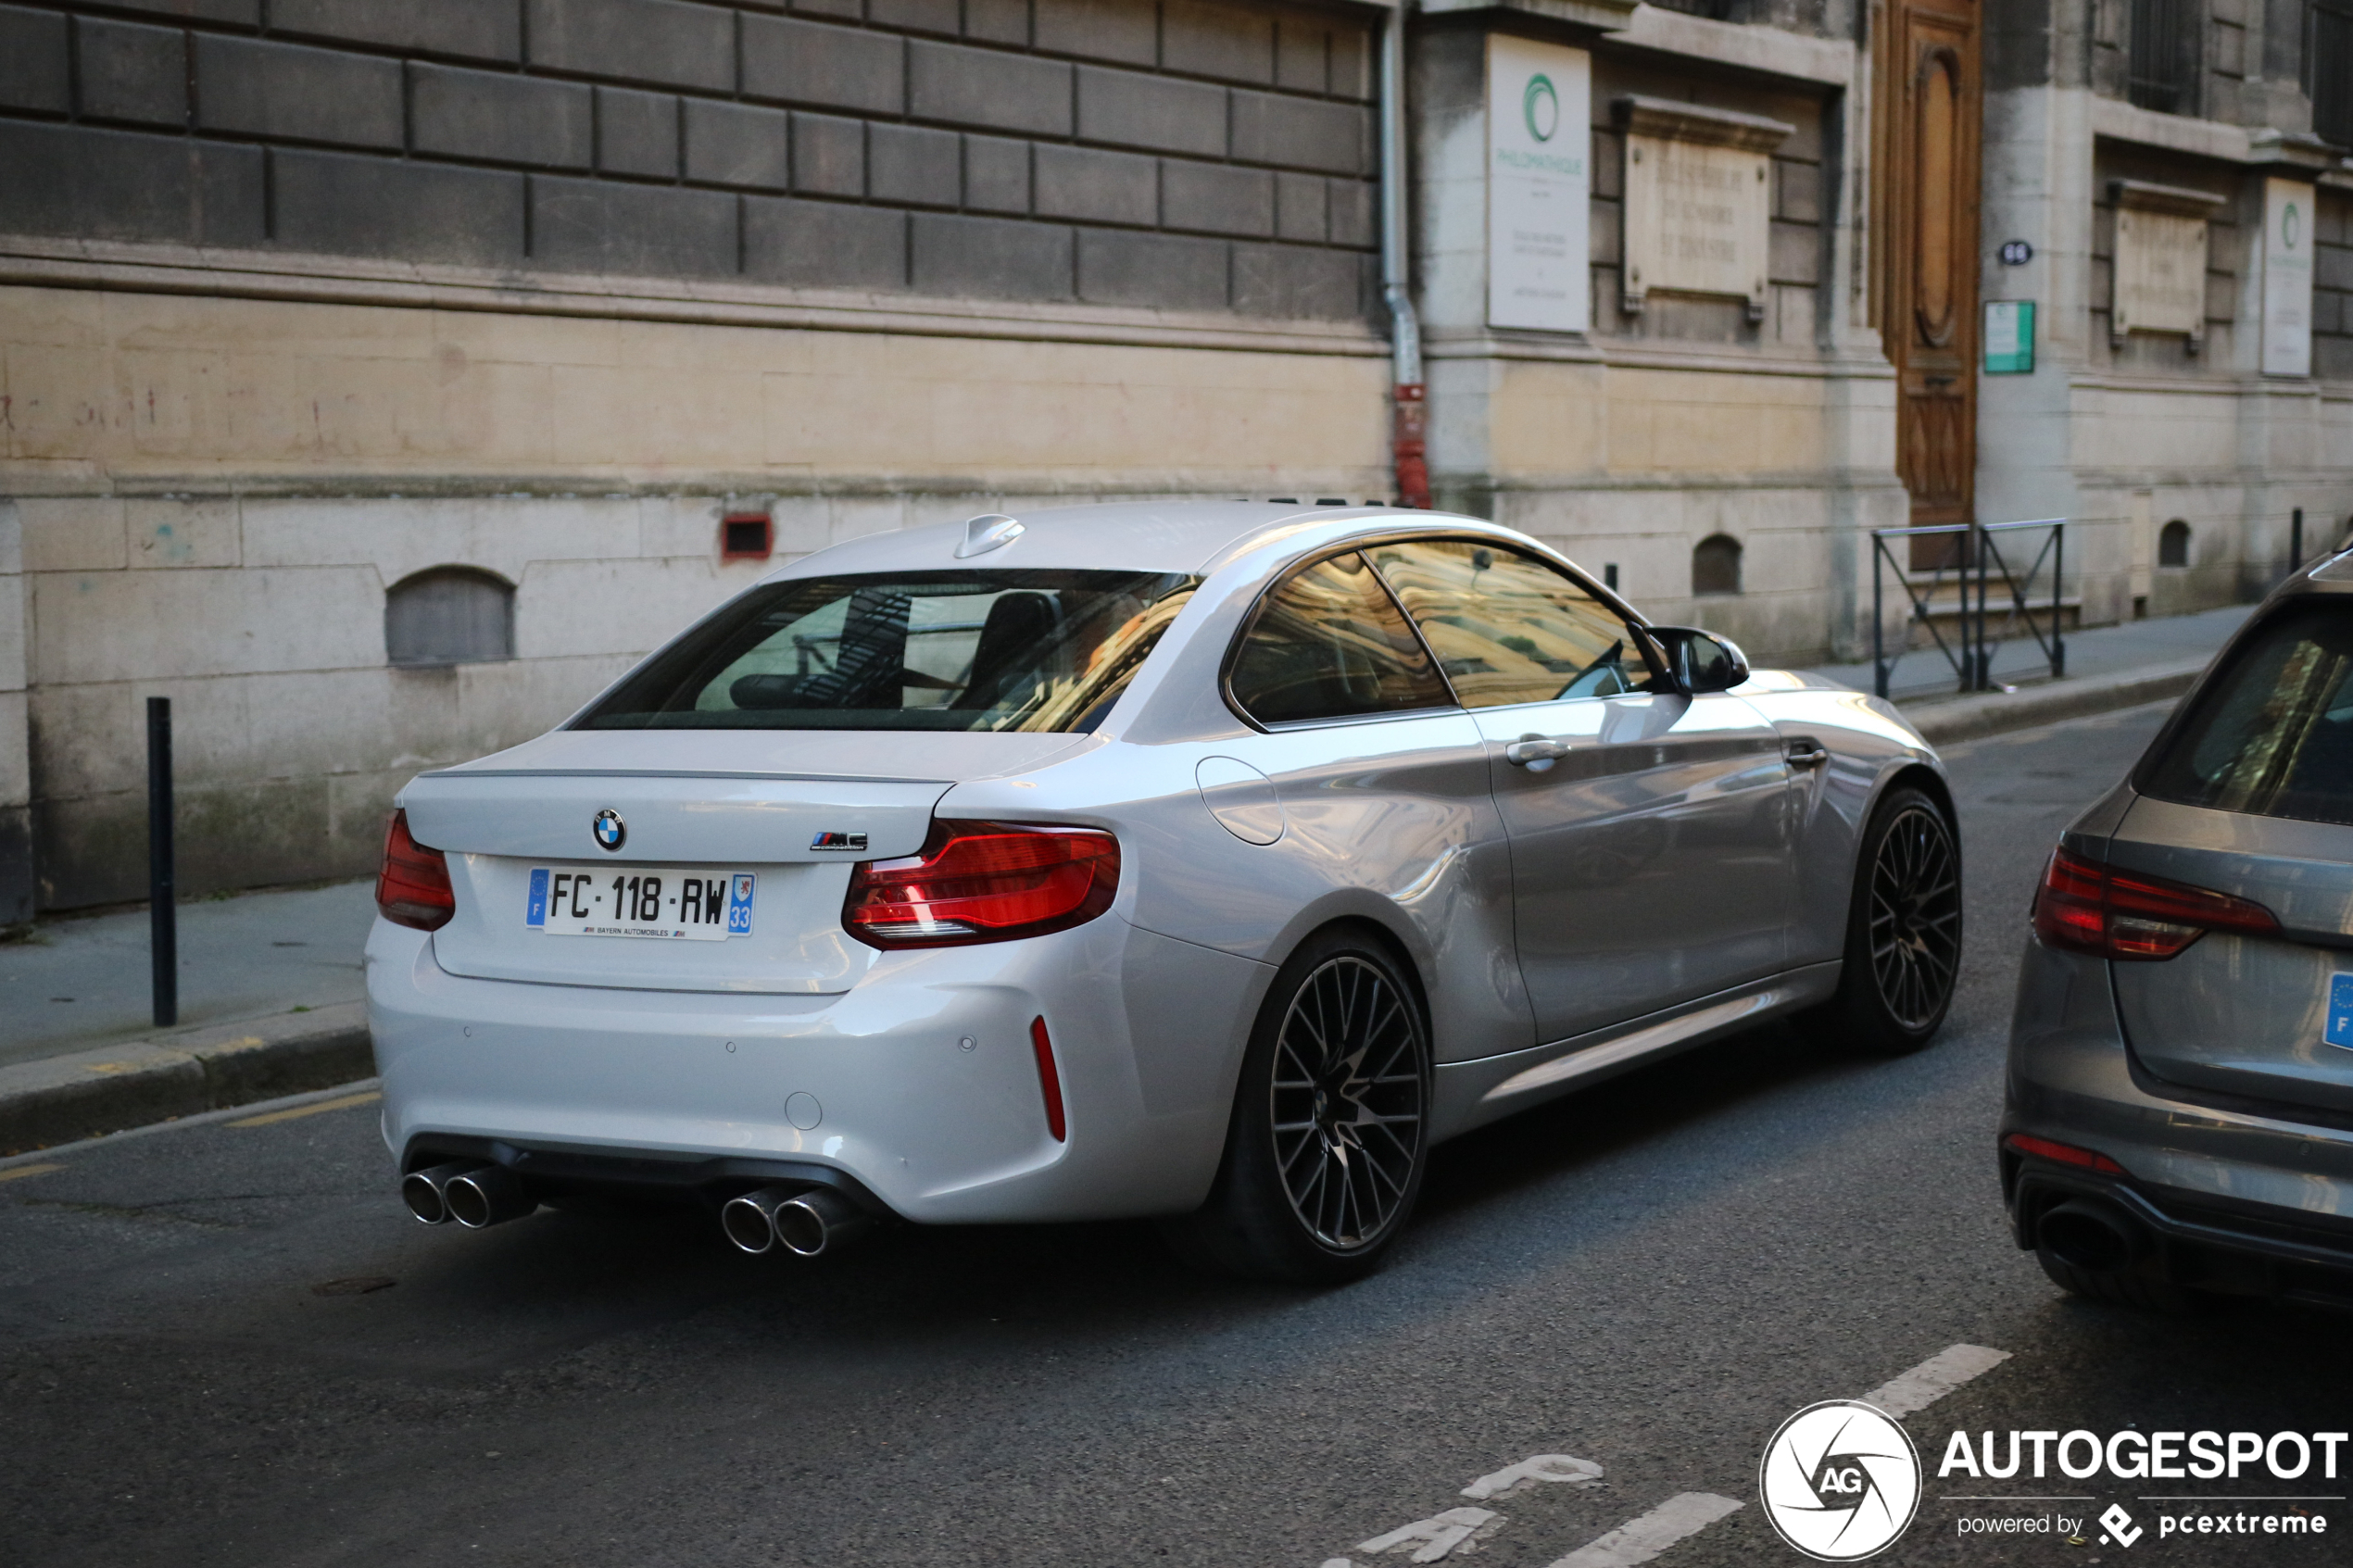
x,y
2086,905
413,886
983,882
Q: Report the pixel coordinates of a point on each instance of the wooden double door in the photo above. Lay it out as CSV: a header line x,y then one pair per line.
x,y
1929,120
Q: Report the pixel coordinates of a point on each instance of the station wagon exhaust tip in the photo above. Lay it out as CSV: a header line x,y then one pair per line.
x,y
2091,1236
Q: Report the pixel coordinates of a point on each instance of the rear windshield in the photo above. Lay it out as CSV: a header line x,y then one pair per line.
x,y
946,650
2271,734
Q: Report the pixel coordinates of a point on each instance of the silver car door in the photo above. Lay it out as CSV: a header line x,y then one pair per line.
x,y
1650,855
1382,790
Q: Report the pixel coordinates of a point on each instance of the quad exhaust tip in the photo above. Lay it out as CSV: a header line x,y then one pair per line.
x,y
805,1222
467,1191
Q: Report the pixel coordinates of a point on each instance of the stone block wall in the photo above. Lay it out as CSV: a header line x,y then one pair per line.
x,y
1804,188
1160,153
2333,287
2225,253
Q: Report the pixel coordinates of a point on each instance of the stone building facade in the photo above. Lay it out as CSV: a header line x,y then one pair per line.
x,y
378,378
2182,456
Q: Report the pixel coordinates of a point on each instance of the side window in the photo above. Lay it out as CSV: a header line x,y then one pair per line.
x,y
1329,644
1507,628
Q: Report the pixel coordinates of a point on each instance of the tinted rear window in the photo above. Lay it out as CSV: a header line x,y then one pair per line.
x,y
2271,734
1331,644
948,650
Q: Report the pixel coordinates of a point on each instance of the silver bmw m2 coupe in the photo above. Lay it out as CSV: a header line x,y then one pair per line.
x,y
1207,861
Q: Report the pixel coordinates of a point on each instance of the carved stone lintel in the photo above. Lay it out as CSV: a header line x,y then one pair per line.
x,y
2182,199
1676,121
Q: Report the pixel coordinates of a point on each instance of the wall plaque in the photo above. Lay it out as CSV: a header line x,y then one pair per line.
x,y
2160,260
1699,201
2009,338
2288,277
1539,184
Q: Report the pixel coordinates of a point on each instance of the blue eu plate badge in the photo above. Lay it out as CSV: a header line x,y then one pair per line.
x,y
2340,1029
740,906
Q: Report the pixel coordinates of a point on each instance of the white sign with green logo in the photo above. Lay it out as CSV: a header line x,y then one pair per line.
x,y
2009,338
1538,144
2287,278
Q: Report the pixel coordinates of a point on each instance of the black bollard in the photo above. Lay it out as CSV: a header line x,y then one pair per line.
x,y
2295,541
163,909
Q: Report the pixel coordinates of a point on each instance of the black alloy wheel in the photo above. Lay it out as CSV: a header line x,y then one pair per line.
x,y
1904,931
1345,1103
1331,1130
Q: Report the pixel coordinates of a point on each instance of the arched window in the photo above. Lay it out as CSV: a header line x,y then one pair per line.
x,y
450,615
1716,565
2173,544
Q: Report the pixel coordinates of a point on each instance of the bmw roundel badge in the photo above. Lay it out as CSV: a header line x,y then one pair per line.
x,y
611,831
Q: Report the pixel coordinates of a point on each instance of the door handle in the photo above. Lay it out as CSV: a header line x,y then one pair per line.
x,y
1535,753
1805,754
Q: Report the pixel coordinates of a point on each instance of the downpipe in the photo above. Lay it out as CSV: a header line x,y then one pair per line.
x,y
474,1194
805,1222
2091,1235
1409,410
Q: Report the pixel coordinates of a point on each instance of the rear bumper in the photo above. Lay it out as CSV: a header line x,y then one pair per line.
x,y
2229,1200
871,1090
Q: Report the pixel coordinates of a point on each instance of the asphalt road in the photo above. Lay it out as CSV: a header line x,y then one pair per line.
x,y
1650,1276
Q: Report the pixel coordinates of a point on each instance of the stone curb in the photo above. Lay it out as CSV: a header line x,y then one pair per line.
x,y
63,1099
1992,713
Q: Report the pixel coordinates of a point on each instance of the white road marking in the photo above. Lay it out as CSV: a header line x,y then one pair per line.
x,y
1688,1513
1436,1536
1680,1516
1535,1472
1933,1378
1639,1540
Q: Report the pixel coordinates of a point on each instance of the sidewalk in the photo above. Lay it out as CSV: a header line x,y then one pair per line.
x,y
1923,676
84,982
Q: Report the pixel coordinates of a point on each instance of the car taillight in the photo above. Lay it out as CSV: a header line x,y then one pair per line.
x,y
2086,905
2066,1154
413,887
983,882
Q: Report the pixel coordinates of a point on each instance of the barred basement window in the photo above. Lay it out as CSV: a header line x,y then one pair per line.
x,y
2173,544
2328,65
1716,565
2162,59
450,615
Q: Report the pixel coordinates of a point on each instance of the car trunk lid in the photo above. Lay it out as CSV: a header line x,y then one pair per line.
x,y
2266,1017
791,811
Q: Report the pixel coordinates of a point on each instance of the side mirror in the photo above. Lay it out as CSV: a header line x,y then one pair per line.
x,y
1701,661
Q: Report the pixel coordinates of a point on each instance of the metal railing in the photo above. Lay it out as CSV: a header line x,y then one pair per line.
x,y
1980,555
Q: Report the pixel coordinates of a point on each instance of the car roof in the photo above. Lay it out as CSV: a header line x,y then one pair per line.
x,y
1132,537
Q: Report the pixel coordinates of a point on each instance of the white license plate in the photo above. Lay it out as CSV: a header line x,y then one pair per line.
x,y
669,903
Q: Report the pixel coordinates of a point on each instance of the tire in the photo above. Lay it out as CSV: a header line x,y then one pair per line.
x,y
2124,1289
1903,928
1330,1129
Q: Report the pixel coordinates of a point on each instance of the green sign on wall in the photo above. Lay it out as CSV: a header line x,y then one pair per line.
x,y
2009,338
